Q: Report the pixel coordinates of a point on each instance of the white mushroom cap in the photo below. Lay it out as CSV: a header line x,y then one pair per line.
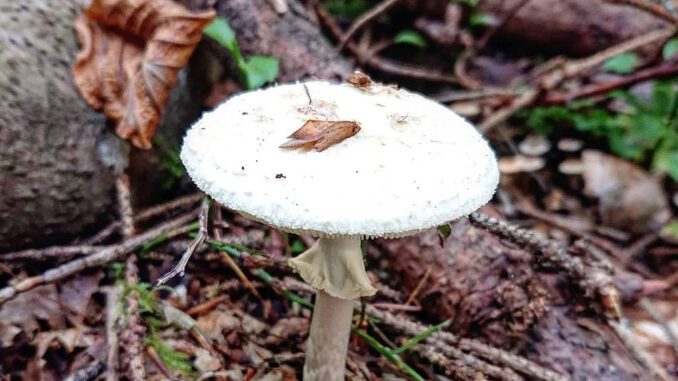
x,y
413,165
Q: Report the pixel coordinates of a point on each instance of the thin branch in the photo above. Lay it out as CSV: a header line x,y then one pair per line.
x,y
170,229
670,334
50,252
112,318
180,268
378,63
651,8
89,373
147,214
556,75
364,19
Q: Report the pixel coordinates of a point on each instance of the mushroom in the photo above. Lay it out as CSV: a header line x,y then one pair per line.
x,y
534,145
387,180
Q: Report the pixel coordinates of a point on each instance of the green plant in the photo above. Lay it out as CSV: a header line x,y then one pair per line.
x,y
255,70
476,18
410,37
644,131
346,9
624,63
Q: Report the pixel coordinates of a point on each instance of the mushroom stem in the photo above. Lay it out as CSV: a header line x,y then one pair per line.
x,y
328,340
334,266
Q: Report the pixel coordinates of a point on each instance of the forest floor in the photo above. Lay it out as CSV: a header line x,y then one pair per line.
x,y
583,222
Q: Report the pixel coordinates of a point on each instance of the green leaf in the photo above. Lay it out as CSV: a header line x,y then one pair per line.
x,y
468,3
346,9
670,232
410,37
663,97
624,63
670,49
221,32
667,161
444,231
481,19
259,70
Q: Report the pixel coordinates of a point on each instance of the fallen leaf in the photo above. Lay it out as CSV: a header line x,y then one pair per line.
x,y
321,134
23,313
285,329
130,57
628,197
76,294
360,80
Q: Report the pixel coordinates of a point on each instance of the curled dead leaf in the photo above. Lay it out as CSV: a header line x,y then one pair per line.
x,y
131,53
321,134
360,80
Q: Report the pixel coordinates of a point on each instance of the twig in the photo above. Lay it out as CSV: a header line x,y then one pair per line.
x,y
567,70
649,307
440,352
662,71
421,283
651,8
112,318
145,215
378,9
638,352
125,210
89,373
378,63
496,355
134,329
231,263
170,229
50,252
591,281
180,268
487,36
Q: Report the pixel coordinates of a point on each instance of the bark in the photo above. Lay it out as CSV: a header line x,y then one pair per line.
x,y
491,291
58,159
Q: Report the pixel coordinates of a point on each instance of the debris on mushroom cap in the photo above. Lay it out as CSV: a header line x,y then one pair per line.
x,y
520,163
570,145
571,167
534,145
391,179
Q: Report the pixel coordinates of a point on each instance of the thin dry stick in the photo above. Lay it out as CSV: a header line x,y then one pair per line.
x,y
147,214
495,355
234,266
50,252
591,280
567,70
169,229
638,352
654,9
379,63
134,329
419,286
180,268
364,19
112,317
474,362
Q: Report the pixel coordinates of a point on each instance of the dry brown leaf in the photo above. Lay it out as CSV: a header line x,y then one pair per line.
x,y
131,53
321,134
360,80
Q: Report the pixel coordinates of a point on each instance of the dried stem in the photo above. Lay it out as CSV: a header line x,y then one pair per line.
x,y
180,268
169,229
373,13
112,318
651,8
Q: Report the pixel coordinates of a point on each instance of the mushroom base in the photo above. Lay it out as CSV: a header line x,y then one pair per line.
x,y
335,265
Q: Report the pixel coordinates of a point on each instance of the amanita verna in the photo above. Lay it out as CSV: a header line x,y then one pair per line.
x,y
413,165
